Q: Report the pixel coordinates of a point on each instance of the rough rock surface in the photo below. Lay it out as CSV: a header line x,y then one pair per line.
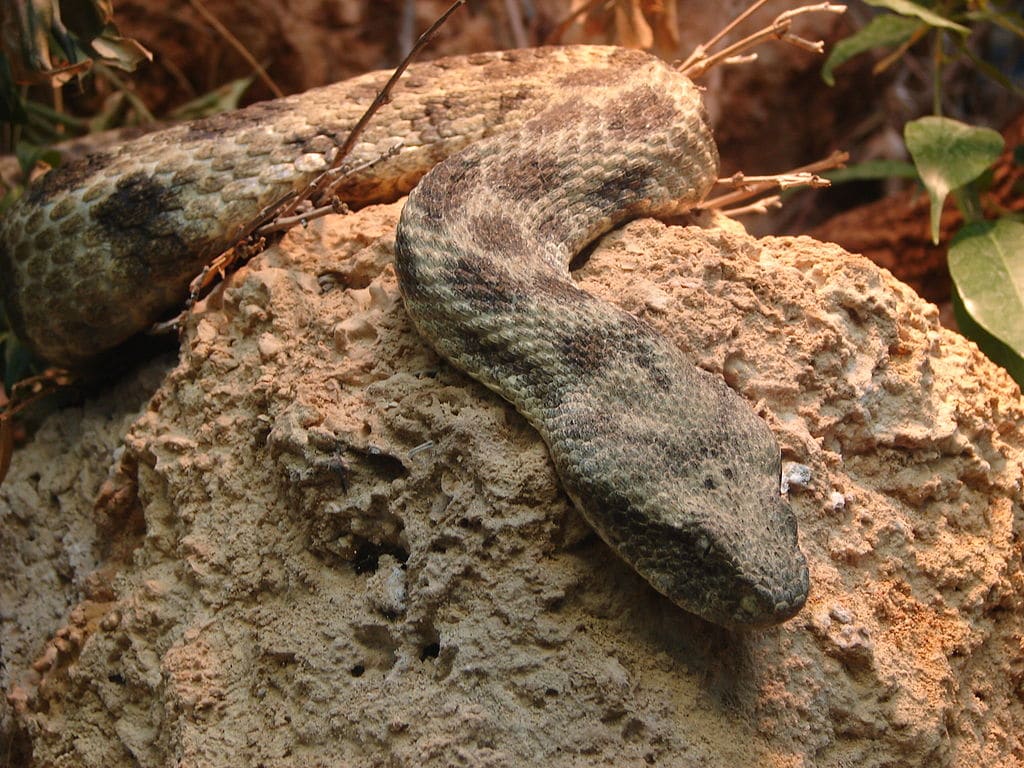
x,y
354,555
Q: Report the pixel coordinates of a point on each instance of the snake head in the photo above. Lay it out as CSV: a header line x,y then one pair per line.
x,y
702,571
694,503
754,587
728,552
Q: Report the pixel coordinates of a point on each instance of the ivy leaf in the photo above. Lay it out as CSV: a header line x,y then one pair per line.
x,y
986,262
886,30
929,17
949,154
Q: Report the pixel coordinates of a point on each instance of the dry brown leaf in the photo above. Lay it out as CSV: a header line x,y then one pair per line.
x,y
664,18
643,24
45,43
631,28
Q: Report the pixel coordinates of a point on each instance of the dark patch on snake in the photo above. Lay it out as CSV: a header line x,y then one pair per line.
x,y
528,175
69,176
496,231
665,461
208,128
512,101
587,354
620,346
451,176
131,215
638,111
134,200
481,288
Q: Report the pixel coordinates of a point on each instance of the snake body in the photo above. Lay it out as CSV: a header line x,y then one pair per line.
x,y
535,153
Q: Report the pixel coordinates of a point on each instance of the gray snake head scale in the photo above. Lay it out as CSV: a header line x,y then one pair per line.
x,y
725,576
546,150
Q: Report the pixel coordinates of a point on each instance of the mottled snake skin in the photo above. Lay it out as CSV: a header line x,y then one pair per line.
x,y
546,149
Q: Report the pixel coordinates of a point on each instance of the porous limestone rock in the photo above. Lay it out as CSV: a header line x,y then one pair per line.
x,y
355,555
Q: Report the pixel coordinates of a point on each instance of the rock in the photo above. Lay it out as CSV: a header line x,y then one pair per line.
x,y
354,555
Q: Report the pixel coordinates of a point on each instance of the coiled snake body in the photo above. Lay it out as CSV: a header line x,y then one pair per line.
x,y
546,149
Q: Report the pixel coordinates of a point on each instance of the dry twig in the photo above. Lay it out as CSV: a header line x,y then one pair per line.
x,y
24,394
318,194
700,61
237,44
317,186
762,206
751,186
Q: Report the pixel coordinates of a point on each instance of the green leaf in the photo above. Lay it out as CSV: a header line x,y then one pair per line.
x,y
1011,22
991,72
949,154
223,99
885,30
909,8
986,262
993,348
870,170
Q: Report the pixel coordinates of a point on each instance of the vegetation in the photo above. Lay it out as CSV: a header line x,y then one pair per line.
x,y
986,256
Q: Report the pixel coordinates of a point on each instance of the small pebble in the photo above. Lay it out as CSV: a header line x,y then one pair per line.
x,y
794,474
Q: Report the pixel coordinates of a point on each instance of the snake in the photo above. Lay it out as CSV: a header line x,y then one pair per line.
x,y
513,162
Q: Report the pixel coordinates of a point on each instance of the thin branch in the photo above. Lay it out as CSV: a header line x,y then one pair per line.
x,y
335,176
313,190
284,223
751,186
700,62
334,205
237,44
762,206
780,180
700,52
281,214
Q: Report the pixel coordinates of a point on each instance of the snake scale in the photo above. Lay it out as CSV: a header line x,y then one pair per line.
x,y
531,155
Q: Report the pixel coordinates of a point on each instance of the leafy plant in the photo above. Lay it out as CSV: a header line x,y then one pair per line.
x,y
49,43
45,42
986,258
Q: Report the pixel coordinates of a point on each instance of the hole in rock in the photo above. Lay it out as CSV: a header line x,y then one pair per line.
x,y
430,651
368,556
